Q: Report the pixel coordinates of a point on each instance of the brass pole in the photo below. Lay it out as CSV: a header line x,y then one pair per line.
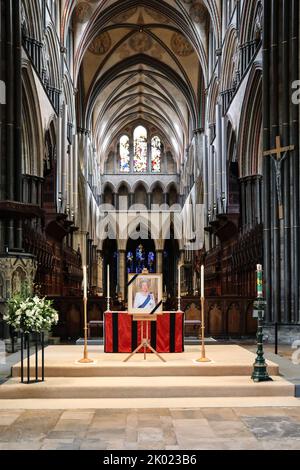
x,y
203,354
85,359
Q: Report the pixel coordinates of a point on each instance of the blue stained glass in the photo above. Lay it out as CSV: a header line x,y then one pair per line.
x,y
140,258
151,258
130,262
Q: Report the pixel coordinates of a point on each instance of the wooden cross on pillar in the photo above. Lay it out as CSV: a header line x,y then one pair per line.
x,y
275,154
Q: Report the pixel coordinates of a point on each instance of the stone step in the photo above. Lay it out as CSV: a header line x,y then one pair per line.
x,y
147,403
146,387
144,369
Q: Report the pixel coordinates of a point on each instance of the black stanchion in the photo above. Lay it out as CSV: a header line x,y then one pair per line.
x,y
25,345
276,338
22,357
28,358
36,357
12,338
43,356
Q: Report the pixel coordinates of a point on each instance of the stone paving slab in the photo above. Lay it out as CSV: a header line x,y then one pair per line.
x,y
161,429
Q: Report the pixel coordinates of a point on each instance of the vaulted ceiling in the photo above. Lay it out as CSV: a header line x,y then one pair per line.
x,y
141,61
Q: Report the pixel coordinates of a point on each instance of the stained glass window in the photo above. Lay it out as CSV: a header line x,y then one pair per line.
x,y
155,154
140,149
130,262
151,259
124,154
140,258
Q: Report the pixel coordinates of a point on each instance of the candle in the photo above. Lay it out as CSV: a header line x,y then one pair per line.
x,y
179,282
202,282
259,281
108,281
84,283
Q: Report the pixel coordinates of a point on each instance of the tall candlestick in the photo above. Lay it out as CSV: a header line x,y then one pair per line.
x,y
259,281
84,282
202,282
108,282
85,359
179,289
202,335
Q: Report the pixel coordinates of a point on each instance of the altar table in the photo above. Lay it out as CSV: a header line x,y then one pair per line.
x,y
122,334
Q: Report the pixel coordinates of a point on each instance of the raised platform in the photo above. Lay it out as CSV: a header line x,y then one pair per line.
x,y
227,375
155,387
231,360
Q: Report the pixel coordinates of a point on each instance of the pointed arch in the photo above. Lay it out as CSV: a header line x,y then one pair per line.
x,y
32,133
250,142
230,64
251,25
51,56
31,20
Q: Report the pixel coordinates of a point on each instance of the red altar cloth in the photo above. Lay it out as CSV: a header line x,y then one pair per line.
x,y
122,334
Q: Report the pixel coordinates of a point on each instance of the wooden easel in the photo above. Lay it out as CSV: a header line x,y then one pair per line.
x,y
145,336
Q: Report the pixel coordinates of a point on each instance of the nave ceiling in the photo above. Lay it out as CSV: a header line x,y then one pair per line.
x,y
140,62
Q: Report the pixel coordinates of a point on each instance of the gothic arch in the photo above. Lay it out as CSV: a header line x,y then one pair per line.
x,y
157,184
32,134
31,19
51,56
125,184
230,64
110,186
144,226
212,101
251,25
140,183
250,143
69,98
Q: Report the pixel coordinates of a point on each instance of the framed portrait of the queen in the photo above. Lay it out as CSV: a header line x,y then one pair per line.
x,y
145,293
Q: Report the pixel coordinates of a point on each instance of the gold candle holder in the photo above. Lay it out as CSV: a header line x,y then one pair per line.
x,y
203,357
85,359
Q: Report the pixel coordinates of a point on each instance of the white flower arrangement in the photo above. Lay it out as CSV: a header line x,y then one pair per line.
x,y
31,315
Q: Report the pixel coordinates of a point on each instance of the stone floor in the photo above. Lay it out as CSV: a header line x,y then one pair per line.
x,y
162,429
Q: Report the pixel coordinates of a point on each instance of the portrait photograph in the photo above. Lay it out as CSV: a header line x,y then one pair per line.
x,y
144,293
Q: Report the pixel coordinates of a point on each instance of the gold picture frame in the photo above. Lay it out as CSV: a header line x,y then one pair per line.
x,y
145,293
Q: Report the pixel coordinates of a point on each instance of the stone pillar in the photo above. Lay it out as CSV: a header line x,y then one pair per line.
x,y
99,272
281,237
122,277
183,286
159,261
115,201
149,201
11,124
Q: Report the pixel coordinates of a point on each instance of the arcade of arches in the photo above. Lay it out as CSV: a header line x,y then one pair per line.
x,y
120,110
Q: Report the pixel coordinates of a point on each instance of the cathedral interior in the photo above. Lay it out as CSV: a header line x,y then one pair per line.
x,y
125,109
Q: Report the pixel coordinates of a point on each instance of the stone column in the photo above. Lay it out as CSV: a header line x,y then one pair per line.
x,y
149,201
122,277
99,272
115,201
159,261
183,286
130,200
